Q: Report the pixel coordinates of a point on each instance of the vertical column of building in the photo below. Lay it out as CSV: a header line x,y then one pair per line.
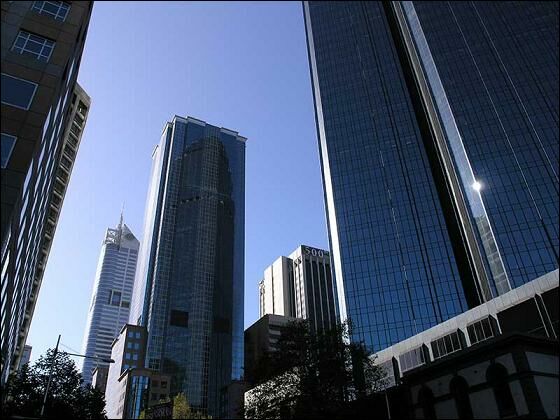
x,y
313,288
507,162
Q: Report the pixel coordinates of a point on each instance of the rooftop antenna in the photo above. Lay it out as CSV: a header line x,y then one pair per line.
x,y
120,227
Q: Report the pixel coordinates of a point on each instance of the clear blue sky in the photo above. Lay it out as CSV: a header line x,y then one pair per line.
x,y
241,66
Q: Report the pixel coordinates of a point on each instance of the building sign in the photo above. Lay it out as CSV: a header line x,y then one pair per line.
x,y
307,250
160,411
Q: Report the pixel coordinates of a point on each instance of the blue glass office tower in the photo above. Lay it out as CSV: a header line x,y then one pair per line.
x,y
189,285
438,137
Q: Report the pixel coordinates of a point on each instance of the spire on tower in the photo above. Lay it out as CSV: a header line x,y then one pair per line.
x,y
120,227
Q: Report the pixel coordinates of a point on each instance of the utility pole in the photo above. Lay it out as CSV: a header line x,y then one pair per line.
x,y
50,377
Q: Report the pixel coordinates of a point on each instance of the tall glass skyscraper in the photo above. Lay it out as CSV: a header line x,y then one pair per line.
x,y
438,137
190,280
112,292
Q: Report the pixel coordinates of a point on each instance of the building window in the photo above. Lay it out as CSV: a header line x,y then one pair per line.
x,y
446,345
137,334
35,45
136,346
82,109
480,331
17,92
8,143
459,388
57,9
164,384
129,345
426,401
155,384
179,318
115,298
412,359
130,334
134,356
497,378
127,356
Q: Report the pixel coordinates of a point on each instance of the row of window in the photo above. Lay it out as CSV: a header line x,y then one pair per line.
x,y
133,334
34,45
156,384
450,343
135,346
18,92
57,9
7,146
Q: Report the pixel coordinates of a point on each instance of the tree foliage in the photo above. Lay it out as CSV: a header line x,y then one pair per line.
x,y
311,375
67,397
183,410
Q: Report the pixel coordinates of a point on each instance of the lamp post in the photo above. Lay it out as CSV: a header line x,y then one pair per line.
x,y
52,367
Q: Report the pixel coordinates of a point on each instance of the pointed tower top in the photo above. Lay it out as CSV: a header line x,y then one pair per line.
x,y
122,216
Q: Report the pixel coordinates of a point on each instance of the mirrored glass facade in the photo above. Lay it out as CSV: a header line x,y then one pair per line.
x,y
189,287
497,65
439,152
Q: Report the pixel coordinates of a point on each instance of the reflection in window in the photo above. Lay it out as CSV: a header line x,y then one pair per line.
x,y
37,46
7,146
17,92
57,9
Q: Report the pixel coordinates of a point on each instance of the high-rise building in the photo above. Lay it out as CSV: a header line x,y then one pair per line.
x,y
99,378
27,244
131,388
300,286
112,292
42,44
189,285
276,289
260,338
438,136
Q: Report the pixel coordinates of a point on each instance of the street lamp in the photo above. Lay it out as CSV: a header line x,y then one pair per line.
x,y
52,366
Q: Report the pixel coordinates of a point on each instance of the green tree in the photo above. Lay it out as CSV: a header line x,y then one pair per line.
x,y
67,397
310,375
183,410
